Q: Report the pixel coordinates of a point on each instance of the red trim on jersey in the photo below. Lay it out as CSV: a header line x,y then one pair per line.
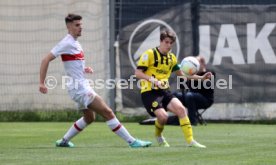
x,y
77,128
72,57
117,128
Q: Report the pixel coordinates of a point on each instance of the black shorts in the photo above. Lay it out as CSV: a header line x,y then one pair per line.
x,y
156,99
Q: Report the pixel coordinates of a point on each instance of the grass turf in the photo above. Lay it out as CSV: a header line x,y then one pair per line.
x,y
228,144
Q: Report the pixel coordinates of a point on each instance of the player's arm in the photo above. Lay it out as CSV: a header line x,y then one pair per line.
x,y
43,71
143,66
203,77
207,75
141,75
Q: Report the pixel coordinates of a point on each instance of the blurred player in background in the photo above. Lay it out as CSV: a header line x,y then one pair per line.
x,y
154,69
89,102
200,95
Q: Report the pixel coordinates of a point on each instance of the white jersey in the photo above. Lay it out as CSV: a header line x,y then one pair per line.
x,y
72,56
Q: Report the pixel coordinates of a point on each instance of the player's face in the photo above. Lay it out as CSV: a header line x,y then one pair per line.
x,y
166,45
75,28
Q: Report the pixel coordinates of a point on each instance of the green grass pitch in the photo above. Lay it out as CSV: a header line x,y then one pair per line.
x,y
227,144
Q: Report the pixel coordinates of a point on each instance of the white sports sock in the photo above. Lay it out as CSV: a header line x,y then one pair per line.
x,y
77,127
115,125
160,139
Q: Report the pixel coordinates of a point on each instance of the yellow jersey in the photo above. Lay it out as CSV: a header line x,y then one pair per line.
x,y
157,65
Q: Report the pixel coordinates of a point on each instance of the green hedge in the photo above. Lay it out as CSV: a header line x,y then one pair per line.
x,y
65,115
58,116
72,115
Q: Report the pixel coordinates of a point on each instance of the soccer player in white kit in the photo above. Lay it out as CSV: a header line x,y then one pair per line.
x,y
87,99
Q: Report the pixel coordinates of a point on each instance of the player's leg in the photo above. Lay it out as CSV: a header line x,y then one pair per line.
x,y
153,103
100,107
195,101
177,108
161,120
77,127
83,97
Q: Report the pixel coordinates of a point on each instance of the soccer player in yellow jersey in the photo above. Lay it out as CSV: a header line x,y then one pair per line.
x,y
154,69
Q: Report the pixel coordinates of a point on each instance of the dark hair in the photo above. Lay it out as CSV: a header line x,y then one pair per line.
x,y
167,34
72,17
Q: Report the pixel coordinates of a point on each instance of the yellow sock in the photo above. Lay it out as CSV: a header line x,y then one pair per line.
x,y
186,129
158,128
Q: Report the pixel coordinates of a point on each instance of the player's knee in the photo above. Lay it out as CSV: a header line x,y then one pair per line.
x,y
108,114
189,97
181,111
163,119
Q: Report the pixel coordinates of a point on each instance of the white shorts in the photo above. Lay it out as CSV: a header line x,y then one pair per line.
x,y
83,96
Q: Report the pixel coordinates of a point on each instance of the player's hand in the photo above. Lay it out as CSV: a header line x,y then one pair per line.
x,y
154,82
88,70
164,85
159,84
207,75
43,89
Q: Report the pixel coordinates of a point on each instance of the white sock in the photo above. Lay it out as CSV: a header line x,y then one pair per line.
x,y
120,130
77,127
160,139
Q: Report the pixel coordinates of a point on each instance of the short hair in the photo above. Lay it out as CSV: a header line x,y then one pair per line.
x,y
167,34
72,17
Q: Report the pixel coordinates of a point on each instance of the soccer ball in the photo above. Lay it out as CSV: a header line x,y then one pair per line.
x,y
189,65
